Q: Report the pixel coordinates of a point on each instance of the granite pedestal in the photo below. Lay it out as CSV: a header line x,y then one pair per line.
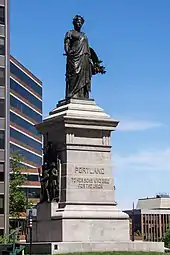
x,y
86,213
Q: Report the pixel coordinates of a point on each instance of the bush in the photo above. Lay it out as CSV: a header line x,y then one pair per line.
x,y
166,239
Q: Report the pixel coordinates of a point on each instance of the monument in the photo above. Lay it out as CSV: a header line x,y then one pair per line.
x,y
78,211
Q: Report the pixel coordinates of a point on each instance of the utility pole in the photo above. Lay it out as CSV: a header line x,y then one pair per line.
x,y
133,223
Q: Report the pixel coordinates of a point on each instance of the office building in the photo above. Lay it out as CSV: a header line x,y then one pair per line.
x,y
151,218
25,112
20,110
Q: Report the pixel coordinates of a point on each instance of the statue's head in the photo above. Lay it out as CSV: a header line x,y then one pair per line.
x,y
53,164
78,21
45,164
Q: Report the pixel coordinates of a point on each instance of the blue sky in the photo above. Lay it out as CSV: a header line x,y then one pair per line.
x,y
132,38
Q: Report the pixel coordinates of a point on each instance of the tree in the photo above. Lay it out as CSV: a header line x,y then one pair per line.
x,y
166,238
17,198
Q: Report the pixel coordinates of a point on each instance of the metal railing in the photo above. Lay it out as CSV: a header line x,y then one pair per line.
x,y
10,242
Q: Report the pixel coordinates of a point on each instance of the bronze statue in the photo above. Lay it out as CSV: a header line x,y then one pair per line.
x,y
45,184
49,178
49,154
82,62
54,182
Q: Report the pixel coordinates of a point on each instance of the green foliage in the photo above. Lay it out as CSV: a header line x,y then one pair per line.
x,y
138,233
166,238
30,204
11,238
17,197
4,239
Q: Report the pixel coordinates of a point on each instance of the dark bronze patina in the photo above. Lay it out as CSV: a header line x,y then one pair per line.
x,y
49,178
82,62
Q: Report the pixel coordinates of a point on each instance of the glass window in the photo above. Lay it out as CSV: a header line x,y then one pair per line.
x,y
25,78
24,93
37,160
2,108
23,166
32,177
25,109
24,124
32,192
25,140
2,77
1,204
1,176
2,46
2,165
2,139
2,15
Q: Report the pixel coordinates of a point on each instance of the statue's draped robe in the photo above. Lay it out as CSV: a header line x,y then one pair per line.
x,y
78,68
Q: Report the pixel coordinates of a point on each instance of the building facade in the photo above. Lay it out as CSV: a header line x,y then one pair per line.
x,y
25,113
4,115
20,111
151,218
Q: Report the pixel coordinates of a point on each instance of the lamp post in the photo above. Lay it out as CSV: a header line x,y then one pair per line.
x,y
26,198
30,227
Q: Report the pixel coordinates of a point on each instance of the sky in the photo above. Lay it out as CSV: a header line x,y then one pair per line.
x,y
133,40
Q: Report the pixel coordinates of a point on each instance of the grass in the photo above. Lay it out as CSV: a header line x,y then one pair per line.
x,y
115,253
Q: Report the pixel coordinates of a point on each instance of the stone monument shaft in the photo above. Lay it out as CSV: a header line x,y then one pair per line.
x,y
81,134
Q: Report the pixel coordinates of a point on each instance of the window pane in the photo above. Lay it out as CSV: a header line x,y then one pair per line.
x,y
1,232
23,166
33,178
1,204
2,77
2,15
32,192
2,108
2,165
2,139
1,176
25,109
26,79
2,46
24,124
24,93
37,160
25,140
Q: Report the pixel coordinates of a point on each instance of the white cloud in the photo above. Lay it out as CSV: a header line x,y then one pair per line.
x,y
144,161
138,125
142,174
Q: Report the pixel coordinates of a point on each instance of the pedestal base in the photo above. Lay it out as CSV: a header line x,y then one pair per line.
x,y
76,223
57,248
85,228
71,247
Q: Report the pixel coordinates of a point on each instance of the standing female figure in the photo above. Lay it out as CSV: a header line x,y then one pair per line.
x,y
79,65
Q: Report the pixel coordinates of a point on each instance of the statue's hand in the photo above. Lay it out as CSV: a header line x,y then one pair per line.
x,y
97,68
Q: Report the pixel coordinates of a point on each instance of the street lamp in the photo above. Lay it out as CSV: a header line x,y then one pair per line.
x,y
30,227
